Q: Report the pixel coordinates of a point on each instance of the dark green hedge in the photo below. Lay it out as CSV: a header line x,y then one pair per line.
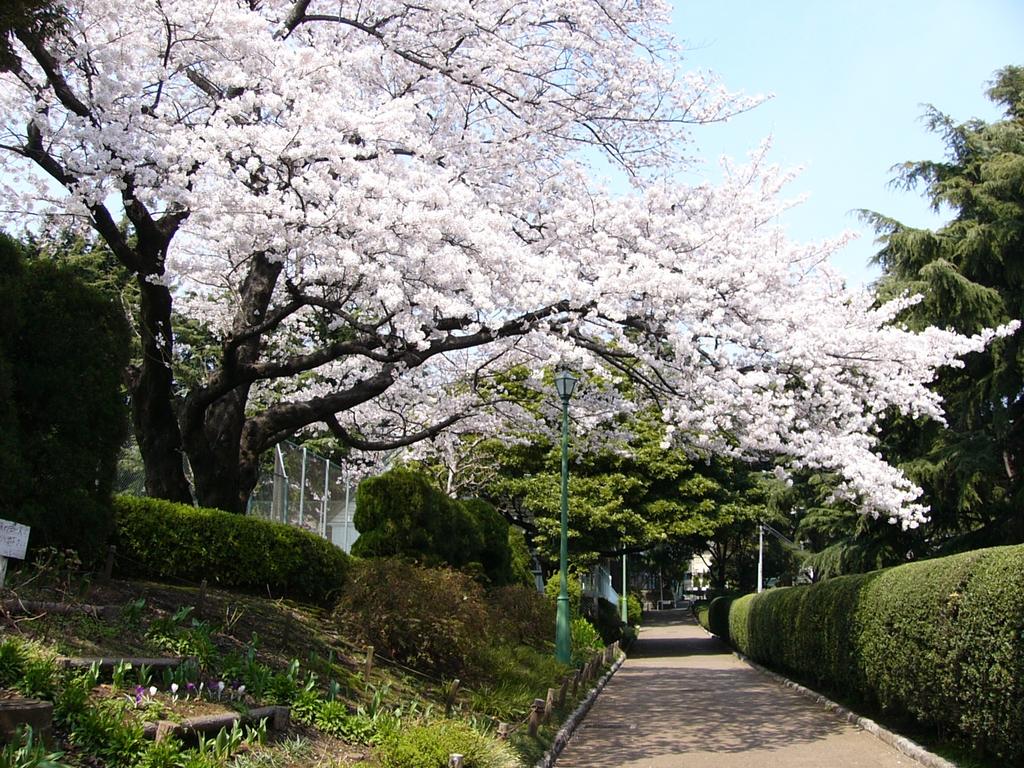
x,y
64,346
940,641
700,612
162,540
718,616
401,513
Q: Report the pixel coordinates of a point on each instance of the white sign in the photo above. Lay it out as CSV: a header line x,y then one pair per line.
x,y
13,539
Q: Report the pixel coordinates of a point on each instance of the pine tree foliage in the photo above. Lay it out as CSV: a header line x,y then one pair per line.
x,y
970,274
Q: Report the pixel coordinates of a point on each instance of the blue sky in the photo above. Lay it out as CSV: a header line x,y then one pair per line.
x,y
849,79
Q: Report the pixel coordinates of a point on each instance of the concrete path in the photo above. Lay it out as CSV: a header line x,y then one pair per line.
x,y
682,699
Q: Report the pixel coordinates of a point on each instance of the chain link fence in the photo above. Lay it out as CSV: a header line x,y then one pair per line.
x,y
296,486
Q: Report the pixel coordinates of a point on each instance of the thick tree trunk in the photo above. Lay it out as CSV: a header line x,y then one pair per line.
x,y
153,416
214,452
225,470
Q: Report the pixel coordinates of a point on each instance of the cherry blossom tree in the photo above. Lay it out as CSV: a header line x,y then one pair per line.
x,y
372,207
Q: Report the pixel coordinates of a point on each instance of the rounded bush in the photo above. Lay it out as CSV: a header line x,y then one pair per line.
x,y
432,619
520,614
718,617
700,611
159,539
739,623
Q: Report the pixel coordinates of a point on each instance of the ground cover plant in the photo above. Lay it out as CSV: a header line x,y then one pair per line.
x,y
251,651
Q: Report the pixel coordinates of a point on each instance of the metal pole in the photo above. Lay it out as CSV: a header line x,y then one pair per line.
x,y
760,558
287,484
302,487
327,496
625,611
347,478
563,638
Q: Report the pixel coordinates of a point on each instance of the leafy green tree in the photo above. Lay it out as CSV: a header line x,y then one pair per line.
x,y
62,359
833,537
970,273
635,497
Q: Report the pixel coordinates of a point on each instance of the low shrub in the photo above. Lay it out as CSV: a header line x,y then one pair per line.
x,y
27,751
700,611
12,662
940,641
104,730
516,676
585,640
433,619
519,614
634,609
574,588
429,745
163,540
718,617
608,620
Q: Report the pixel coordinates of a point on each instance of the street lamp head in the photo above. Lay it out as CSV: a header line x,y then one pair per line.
x,y
565,383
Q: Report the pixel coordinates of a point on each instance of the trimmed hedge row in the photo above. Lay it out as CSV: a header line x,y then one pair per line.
x,y
718,616
940,641
163,540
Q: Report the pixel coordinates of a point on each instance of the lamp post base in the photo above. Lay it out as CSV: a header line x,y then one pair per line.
x,y
563,635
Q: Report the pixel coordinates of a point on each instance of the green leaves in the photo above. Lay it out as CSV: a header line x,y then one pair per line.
x,y
970,273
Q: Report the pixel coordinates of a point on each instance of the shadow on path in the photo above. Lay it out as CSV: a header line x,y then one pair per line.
x,y
655,643
683,699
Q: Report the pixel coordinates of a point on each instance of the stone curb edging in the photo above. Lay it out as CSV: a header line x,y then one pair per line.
x,y
569,726
902,744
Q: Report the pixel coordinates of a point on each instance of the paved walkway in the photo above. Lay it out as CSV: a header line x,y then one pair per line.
x,y
682,699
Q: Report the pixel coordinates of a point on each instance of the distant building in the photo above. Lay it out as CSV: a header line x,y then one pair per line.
x,y
698,578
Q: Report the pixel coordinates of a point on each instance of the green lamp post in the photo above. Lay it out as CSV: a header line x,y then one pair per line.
x,y
624,602
565,383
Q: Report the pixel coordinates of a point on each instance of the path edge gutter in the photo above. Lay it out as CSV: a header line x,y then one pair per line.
x,y
902,744
569,726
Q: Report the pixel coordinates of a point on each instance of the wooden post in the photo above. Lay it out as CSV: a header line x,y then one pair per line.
x,y
202,595
562,691
449,702
536,709
369,664
576,681
504,731
549,704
